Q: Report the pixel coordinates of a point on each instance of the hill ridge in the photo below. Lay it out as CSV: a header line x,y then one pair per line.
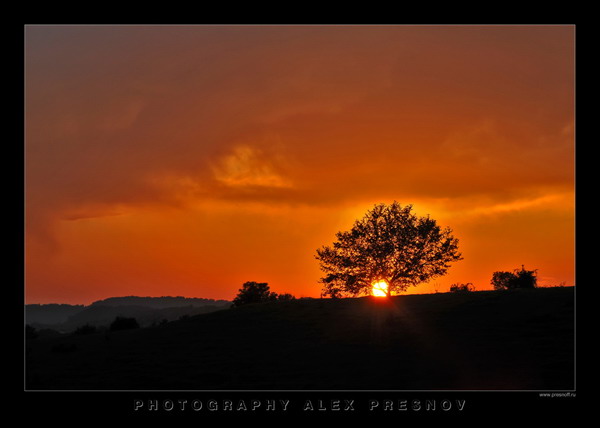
x,y
65,317
517,339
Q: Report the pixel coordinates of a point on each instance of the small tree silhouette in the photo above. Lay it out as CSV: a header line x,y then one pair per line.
x,y
517,279
254,292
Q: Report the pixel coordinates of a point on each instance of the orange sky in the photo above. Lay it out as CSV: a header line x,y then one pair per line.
x,y
186,160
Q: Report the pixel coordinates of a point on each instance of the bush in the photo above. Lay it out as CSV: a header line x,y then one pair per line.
x,y
123,323
258,292
461,288
512,280
254,292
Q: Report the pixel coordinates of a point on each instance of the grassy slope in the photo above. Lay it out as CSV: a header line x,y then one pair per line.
x,y
520,339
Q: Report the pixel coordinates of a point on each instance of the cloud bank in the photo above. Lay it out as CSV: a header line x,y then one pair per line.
x,y
126,121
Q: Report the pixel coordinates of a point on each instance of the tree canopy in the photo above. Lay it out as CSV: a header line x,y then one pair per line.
x,y
517,279
258,292
390,243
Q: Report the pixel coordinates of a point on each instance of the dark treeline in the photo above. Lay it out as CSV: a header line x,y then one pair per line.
x,y
158,302
147,310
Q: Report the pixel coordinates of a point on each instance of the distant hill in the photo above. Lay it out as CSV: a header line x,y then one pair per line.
x,y
483,340
159,302
99,315
146,310
51,313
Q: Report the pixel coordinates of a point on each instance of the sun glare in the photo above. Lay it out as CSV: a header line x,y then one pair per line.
x,y
380,288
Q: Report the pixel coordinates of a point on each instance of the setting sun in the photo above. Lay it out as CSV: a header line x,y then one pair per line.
x,y
380,288
292,207
183,176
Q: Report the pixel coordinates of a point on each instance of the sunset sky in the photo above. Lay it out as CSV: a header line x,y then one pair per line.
x,y
186,160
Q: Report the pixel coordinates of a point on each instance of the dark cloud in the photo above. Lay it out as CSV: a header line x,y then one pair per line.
x,y
109,107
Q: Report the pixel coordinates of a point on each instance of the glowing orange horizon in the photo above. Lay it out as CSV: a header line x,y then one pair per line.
x,y
188,160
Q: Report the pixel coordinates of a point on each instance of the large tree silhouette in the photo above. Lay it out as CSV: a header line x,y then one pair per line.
x,y
389,243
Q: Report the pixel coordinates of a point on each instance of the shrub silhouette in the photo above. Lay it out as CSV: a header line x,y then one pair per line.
x,y
512,280
254,292
461,288
123,323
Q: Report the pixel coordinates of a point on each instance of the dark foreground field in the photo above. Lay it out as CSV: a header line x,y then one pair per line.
x,y
490,340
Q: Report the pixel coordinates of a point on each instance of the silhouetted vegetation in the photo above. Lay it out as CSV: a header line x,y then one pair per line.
x,y
123,323
519,278
254,292
286,297
160,302
389,243
456,341
258,292
146,310
461,288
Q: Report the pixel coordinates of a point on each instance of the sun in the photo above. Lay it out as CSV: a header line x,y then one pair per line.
x,y
380,288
